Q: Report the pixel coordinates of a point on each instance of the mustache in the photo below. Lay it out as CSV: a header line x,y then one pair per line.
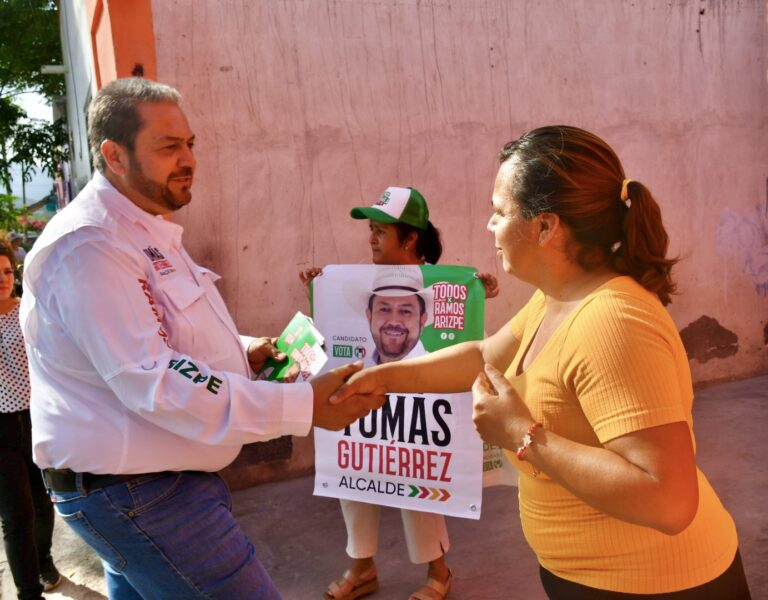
x,y
183,172
394,330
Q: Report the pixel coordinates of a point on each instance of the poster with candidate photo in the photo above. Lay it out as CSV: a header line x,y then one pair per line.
x,y
418,451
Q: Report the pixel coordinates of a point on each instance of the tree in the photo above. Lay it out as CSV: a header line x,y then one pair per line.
x,y
29,38
10,115
9,214
38,143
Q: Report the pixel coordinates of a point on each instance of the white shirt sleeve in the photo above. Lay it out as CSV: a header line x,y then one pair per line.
x,y
101,297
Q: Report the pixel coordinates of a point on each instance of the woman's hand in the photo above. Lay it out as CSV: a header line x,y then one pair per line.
x,y
307,275
499,414
490,284
647,477
367,382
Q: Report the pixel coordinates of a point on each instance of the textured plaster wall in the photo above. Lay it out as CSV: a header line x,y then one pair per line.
x,y
304,108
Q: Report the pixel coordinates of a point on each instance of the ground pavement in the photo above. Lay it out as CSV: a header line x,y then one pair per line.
x,y
301,539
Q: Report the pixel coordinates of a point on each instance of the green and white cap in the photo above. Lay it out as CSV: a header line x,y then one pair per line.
x,y
397,205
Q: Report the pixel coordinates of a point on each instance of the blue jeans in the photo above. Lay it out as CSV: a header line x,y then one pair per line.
x,y
167,536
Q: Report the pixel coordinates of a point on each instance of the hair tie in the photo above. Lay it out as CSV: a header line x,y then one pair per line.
x,y
624,197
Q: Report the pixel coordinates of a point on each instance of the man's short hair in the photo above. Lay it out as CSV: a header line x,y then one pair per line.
x,y
114,113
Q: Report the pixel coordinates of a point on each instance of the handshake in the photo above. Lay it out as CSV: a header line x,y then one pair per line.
x,y
336,404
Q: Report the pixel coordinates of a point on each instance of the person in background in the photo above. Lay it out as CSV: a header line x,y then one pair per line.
x,y
141,385
588,387
25,508
401,234
17,239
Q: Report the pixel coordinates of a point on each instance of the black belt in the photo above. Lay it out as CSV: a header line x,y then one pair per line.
x,y
64,480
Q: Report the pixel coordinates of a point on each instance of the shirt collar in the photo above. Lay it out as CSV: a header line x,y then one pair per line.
x,y
156,225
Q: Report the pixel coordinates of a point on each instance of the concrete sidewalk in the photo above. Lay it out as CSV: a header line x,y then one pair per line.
x,y
300,538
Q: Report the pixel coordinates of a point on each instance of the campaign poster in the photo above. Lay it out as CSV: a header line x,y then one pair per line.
x,y
419,451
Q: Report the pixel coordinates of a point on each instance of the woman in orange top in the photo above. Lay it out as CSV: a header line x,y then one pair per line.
x,y
594,405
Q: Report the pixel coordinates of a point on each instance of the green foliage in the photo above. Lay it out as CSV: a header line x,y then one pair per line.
x,y
10,115
9,214
13,218
38,142
30,143
29,38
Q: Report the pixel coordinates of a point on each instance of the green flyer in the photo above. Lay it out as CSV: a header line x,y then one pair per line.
x,y
302,343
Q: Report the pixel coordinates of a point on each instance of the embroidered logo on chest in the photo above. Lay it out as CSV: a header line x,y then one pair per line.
x,y
161,264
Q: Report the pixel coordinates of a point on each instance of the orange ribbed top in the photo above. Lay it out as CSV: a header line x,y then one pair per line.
x,y
615,365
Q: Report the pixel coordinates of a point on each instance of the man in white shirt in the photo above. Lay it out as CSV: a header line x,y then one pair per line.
x,y
141,386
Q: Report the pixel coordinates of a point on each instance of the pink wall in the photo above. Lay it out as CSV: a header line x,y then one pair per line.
x,y
122,39
304,109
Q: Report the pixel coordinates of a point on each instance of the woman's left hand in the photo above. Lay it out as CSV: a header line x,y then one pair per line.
x,y
500,415
490,283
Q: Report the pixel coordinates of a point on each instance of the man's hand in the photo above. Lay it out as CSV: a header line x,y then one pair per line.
x,y
342,412
292,374
361,383
260,349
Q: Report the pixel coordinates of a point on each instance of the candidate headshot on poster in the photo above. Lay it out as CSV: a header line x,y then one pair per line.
x,y
397,308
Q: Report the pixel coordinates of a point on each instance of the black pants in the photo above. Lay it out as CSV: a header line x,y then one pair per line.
x,y
26,510
731,585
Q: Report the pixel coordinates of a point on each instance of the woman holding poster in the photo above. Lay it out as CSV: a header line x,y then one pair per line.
x,y
401,234
588,387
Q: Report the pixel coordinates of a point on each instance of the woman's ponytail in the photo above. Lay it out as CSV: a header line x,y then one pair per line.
x,y
642,251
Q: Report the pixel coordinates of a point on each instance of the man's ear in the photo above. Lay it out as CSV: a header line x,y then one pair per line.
x,y
549,227
368,314
423,318
116,157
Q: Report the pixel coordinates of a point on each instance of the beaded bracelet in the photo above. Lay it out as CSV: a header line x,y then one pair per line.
x,y
527,440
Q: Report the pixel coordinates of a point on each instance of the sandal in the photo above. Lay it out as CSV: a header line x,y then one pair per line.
x,y
352,586
433,589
